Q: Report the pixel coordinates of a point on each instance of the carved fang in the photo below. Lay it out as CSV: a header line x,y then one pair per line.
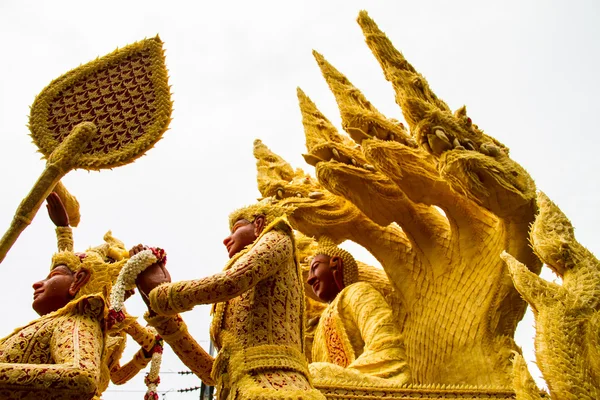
x,y
369,167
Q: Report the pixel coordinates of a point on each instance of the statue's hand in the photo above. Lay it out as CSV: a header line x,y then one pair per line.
x,y
153,276
56,210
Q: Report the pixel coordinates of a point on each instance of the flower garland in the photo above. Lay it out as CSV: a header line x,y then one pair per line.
x,y
125,283
126,280
152,379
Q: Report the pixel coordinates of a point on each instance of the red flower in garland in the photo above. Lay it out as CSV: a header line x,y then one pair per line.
x,y
114,317
151,396
149,382
160,254
158,348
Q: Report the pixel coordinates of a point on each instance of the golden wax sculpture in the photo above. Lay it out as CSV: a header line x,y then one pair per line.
x,y
116,337
379,289
462,309
258,319
459,307
102,114
62,355
316,211
82,355
567,316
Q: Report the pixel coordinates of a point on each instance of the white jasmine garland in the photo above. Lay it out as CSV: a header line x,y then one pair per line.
x,y
127,276
152,379
126,281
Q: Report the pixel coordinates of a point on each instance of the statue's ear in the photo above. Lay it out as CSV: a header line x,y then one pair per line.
x,y
337,267
259,225
82,276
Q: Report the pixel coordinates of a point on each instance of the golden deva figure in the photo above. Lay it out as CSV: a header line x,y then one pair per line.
x,y
62,213
258,321
68,353
102,114
60,355
357,339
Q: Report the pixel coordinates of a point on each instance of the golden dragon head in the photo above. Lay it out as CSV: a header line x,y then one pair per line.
x,y
341,166
316,210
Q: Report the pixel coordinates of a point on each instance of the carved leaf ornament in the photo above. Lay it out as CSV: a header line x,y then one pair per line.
x,y
125,94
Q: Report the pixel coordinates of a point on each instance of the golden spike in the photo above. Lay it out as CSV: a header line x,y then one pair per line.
x,y
416,110
272,170
359,117
407,82
317,128
346,94
535,290
523,383
554,236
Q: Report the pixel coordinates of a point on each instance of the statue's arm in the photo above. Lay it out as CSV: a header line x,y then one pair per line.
x,y
262,261
384,354
174,331
115,345
120,374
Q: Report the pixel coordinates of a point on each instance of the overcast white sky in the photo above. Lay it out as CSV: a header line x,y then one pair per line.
x,y
527,72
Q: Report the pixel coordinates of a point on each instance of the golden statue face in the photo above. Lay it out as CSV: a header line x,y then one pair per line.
x,y
57,289
243,233
325,277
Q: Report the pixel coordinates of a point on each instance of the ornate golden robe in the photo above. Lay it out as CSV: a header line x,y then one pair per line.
x,y
257,324
358,340
57,356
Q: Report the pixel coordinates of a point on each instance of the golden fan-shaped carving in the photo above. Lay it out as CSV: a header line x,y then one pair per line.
x,y
102,114
125,94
